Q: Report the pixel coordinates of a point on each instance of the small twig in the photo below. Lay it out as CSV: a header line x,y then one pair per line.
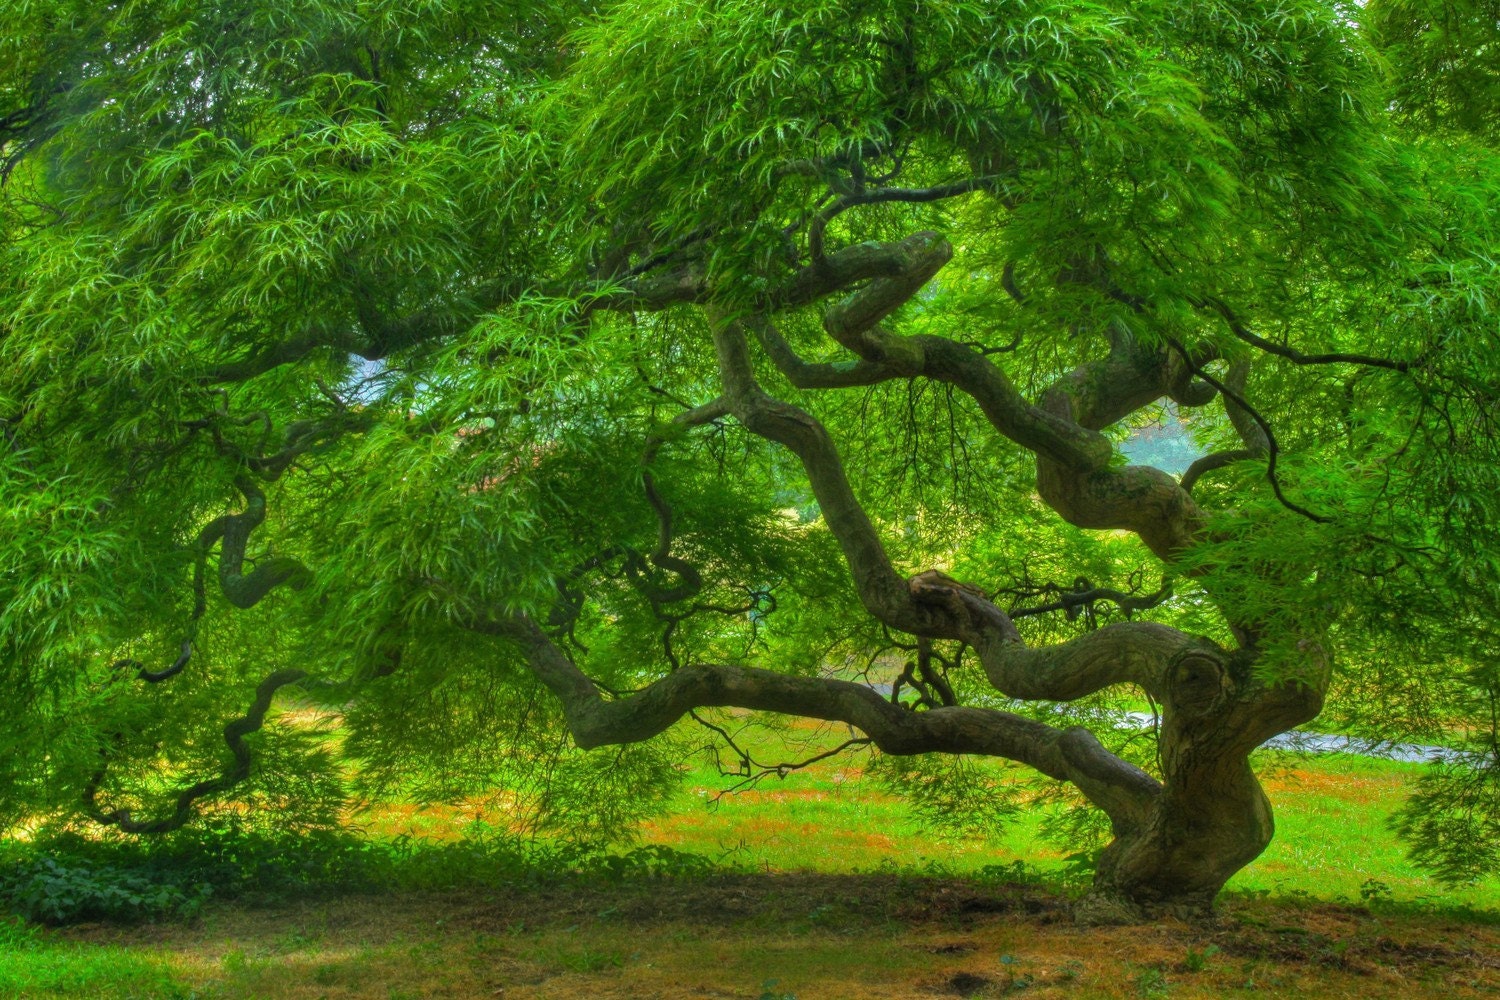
x,y
746,761
1297,357
1273,450
1082,598
784,769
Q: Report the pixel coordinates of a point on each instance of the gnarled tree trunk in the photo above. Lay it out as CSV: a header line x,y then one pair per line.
x,y
1211,818
1176,840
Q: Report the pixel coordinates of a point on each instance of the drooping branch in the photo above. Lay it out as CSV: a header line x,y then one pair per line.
x,y
876,196
750,770
200,607
234,772
369,333
1272,449
637,567
1212,463
1244,333
676,249
232,532
930,676
690,580
30,126
157,676
280,353
299,438
303,436
785,768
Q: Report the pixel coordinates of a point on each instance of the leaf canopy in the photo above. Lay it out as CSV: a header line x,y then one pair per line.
x,y
337,338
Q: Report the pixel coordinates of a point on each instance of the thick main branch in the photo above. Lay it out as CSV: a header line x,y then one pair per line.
x,y
1125,792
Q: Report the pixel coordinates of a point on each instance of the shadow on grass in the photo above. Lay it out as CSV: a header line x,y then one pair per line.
x,y
265,914
744,935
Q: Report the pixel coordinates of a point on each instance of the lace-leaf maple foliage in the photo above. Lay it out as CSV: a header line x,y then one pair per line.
x,y
483,379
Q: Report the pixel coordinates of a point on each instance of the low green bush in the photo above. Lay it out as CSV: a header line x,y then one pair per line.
x,y
47,891
66,878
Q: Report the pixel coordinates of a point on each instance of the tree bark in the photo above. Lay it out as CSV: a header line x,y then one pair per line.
x,y
1176,842
1212,817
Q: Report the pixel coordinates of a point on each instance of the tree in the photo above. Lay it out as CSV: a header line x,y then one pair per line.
x,y
669,355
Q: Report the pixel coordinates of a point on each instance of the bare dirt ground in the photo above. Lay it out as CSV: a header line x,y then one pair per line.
x,y
804,936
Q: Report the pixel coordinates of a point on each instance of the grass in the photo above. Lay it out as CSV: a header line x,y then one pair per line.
x,y
1333,839
748,936
36,965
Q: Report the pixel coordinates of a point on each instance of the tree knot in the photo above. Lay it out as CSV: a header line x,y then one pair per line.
x,y
967,606
1198,680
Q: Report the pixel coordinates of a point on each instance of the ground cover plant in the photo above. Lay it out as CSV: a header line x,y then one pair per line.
x,y
443,401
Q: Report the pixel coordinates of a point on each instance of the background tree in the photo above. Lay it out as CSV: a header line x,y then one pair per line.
x,y
427,358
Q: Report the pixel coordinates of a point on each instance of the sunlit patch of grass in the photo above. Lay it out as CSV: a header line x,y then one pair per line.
x,y
1333,835
433,821
46,968
629,935
1333,838
831,817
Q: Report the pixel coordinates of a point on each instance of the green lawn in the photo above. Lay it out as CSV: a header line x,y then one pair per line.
x,y
1333,839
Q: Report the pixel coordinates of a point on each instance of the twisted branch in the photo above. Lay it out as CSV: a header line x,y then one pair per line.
x,y
1125,792
233,773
